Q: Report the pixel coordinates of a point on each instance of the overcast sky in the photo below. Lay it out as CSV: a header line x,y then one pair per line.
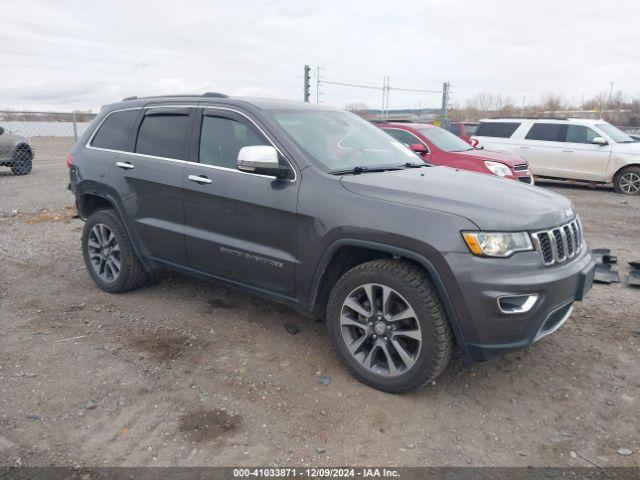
x,y
67,55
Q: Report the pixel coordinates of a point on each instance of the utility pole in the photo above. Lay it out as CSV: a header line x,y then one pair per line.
x,y
307,80
318,84
610,93
445,105
384,94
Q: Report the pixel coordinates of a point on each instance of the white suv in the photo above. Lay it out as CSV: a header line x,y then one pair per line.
x,y
567,148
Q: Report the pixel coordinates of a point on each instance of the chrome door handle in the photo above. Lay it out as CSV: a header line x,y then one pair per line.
x,y
199,179
125,165
567,150
524,147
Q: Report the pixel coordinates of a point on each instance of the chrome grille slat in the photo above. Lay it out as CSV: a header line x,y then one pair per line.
x,y
559,244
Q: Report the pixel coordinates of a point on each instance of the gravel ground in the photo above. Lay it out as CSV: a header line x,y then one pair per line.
x,y
185,372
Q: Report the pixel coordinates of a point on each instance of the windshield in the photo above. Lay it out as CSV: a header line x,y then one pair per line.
x,y
444,140
614,133
340,141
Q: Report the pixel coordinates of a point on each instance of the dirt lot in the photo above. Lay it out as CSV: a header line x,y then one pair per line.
x,y
189,373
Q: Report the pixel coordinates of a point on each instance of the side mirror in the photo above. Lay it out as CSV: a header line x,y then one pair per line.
x,y
419,148
599,141
262,160
1,130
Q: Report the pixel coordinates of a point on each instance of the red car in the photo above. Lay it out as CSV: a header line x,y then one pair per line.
x,y
440,147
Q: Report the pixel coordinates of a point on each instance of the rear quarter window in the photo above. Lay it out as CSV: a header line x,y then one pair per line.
x,y
497,129
115,130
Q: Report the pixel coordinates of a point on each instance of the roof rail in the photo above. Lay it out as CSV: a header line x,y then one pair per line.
x,y
528,118
206,94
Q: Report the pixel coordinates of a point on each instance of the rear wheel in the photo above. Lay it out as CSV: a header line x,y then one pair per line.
x,y
22,161
627,181
108,254
388,326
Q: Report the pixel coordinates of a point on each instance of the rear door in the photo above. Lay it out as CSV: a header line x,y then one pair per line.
x,y
239,226
542,148
148,180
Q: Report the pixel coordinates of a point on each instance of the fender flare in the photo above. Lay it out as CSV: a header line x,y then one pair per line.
x,y
117,206
401,252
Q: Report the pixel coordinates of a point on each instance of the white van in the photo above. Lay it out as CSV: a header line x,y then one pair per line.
x,y
567,148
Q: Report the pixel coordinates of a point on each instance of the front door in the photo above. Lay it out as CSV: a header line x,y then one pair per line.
x,y
582,159
6,145
239,226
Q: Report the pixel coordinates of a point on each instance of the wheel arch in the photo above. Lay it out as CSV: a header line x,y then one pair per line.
x,y
619,170
23,146
344,254
91,200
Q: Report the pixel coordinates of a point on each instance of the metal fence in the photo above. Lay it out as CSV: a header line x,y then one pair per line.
x,y
20,132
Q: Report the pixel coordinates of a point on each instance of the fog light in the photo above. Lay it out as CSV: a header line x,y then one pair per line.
x,y
517,303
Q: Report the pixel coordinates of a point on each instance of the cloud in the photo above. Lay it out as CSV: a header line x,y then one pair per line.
x,y
71,55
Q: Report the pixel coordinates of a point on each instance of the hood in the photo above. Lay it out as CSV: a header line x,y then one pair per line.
x,y
506,158
627,148
492,203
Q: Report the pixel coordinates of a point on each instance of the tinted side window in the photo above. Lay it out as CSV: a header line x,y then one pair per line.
x,y
115,130
164,135
222,138
497,129
403,136
455,129
580,134
470,128
551,132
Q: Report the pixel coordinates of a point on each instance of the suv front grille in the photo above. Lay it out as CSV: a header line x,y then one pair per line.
x,y
559,244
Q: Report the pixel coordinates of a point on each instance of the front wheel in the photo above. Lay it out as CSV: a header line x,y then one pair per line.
x,y
627,181
387,325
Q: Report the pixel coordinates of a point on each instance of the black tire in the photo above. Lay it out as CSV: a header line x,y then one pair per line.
x,y
416,288
132,273
621,181
22,161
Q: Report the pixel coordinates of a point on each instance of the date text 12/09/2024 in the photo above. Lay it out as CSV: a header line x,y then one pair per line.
x,y
315,473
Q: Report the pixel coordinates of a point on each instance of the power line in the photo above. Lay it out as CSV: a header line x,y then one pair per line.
x,y
344,84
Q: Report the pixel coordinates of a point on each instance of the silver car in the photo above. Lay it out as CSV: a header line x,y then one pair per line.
x,y
16,152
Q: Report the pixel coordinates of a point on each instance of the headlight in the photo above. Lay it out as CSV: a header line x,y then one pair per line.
x,y
497,244
499,169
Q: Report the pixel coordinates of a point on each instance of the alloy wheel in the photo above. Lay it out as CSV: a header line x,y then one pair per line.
x,y
630,183
380,329
104,253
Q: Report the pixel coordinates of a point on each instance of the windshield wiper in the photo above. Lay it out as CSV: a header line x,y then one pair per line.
x,y
362,169
414,165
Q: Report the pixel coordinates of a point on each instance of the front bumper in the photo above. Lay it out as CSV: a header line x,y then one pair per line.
x,y
488,331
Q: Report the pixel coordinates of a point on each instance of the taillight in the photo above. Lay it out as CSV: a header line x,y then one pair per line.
x,y
70,160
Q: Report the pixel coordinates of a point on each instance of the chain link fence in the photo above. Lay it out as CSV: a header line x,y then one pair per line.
x,y
25,134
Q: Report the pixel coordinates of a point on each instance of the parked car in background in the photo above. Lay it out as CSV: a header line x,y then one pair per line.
x,y
464,130
440,147
16,152
568,148
320,210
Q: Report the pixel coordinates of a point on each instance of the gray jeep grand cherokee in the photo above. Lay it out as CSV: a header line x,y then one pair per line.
x,y
318,209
